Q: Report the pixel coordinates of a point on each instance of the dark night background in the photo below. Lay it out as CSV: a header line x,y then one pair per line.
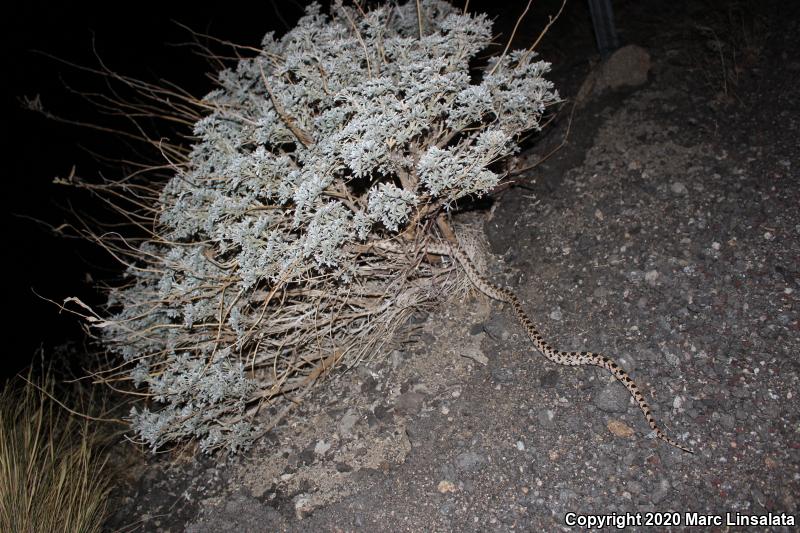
x,y
138,40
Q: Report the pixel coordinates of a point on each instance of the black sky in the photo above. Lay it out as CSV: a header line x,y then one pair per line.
x,y
137,39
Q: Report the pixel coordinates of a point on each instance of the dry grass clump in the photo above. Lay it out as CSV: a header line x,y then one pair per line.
x,y
53,476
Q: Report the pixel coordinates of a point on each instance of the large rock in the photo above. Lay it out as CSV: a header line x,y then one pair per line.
x,y
627,67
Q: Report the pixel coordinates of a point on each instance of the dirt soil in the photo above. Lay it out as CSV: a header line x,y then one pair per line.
x,y
666,233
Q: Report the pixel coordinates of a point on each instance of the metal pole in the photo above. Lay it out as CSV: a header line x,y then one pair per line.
x,y
604,30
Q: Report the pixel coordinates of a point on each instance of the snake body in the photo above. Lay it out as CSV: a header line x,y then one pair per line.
x,y
559,357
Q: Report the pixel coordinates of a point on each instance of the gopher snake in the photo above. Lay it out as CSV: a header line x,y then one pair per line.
x,y
559,357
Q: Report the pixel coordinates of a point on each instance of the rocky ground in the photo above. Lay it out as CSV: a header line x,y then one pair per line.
x,y
666,232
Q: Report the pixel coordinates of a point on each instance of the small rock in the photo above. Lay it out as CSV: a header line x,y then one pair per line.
x,y
497,327
322,447
343,467
396,358
727,421
445,486
672,359
474,352
410,402
546,417
612,398
346,423
627,66
678,188
468,460
556,314
635,276
619,428
302,506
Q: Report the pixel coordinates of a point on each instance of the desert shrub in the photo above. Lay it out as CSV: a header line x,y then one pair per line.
x,y
259,272
52,473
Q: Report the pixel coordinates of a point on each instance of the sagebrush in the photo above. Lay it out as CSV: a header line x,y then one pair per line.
x,y
260,269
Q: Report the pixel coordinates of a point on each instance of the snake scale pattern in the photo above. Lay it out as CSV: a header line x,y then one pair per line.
x,y
559,357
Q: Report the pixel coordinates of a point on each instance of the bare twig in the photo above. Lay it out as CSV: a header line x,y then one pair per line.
x,y
511,37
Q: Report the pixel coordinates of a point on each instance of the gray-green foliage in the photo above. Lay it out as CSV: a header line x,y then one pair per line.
x,y
344,131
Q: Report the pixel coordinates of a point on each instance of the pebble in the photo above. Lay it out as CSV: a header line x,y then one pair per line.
x,y
556,314
546,417
613,398
678,188
302,506
619,428
346,424
635,276
677,403
445,486
469,460
496,327
396,358
474,352
410,402
321,447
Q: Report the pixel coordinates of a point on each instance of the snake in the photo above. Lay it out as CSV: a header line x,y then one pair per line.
x,y
567,358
